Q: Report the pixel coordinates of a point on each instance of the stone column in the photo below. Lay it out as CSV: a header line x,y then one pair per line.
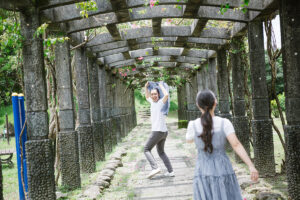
x,y
224,105
117,104
85,133
212,78
39,151
200,80
133,109
95,109
180,103
110,103
113,97
261,124
212,75
205,75
102,75
290,31
67,137
240,121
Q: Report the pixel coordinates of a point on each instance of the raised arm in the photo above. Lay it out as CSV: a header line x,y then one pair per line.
x,y
147,94
166,94
239,149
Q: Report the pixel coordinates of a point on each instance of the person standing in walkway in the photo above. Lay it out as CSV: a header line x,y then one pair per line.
x,y
214,177
159,130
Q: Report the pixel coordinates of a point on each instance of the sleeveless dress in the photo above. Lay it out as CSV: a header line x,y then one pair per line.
x,y
214,177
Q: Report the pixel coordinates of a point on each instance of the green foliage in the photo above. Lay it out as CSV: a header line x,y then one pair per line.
x,y
182,123
3,111
275,111
41,30
173,106
138,96
243,7
85,7
10,56
279,76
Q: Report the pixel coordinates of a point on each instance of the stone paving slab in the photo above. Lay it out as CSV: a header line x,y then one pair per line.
x,y
130,181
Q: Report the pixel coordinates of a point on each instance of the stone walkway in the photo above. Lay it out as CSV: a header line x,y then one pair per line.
x,y
130,181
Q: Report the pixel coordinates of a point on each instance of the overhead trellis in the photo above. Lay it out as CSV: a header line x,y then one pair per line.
x,y
139,40
167,33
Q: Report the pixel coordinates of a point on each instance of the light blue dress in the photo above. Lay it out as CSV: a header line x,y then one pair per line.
x,y
214,177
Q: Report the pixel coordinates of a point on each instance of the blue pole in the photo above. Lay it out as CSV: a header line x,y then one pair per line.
x,y
24,138
17,126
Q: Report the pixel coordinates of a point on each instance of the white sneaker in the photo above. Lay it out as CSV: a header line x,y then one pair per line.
x,y
169,174
153,173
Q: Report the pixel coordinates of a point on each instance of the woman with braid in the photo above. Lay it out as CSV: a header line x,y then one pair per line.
x,y
214,177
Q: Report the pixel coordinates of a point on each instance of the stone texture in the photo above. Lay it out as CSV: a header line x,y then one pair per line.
x,y
107,136
98,141
101,183
67,138
289,15
60,195
63,76
263,147
105,178
92,192
224,105
268,196
261,125
107,172
69,159
94,90
242,127
86,149
66,119
292,136
82,87
114,131
37,124
33,63
40,170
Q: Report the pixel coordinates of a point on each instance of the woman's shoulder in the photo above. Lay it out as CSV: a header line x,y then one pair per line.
x,y
196,123
221,119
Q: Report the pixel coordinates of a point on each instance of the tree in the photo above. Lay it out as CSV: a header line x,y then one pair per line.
x,y
10,55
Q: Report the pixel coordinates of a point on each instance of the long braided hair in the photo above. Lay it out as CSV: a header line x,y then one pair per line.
x,y
206,100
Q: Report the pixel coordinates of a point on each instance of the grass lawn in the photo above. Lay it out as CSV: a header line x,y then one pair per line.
x,y
3,111
10,175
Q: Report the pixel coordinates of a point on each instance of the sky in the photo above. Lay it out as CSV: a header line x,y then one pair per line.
x,y
276,27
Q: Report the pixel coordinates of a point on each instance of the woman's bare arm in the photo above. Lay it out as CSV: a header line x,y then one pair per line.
x,y
166,95
147,94
240,150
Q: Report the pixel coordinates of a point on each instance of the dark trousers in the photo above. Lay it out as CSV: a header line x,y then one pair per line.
x,y
157,138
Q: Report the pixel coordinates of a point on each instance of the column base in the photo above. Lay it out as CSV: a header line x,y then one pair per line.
x,y
292,135
40,170
263,147
86,148
69,159
242,131
98,141
107,138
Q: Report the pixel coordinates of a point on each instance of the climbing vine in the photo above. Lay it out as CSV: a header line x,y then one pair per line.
x,y
273,54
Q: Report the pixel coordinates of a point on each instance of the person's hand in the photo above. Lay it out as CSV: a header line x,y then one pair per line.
x,y
147,84
253,173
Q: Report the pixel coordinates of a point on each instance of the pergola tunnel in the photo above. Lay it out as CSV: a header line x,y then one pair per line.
x,y
110,62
